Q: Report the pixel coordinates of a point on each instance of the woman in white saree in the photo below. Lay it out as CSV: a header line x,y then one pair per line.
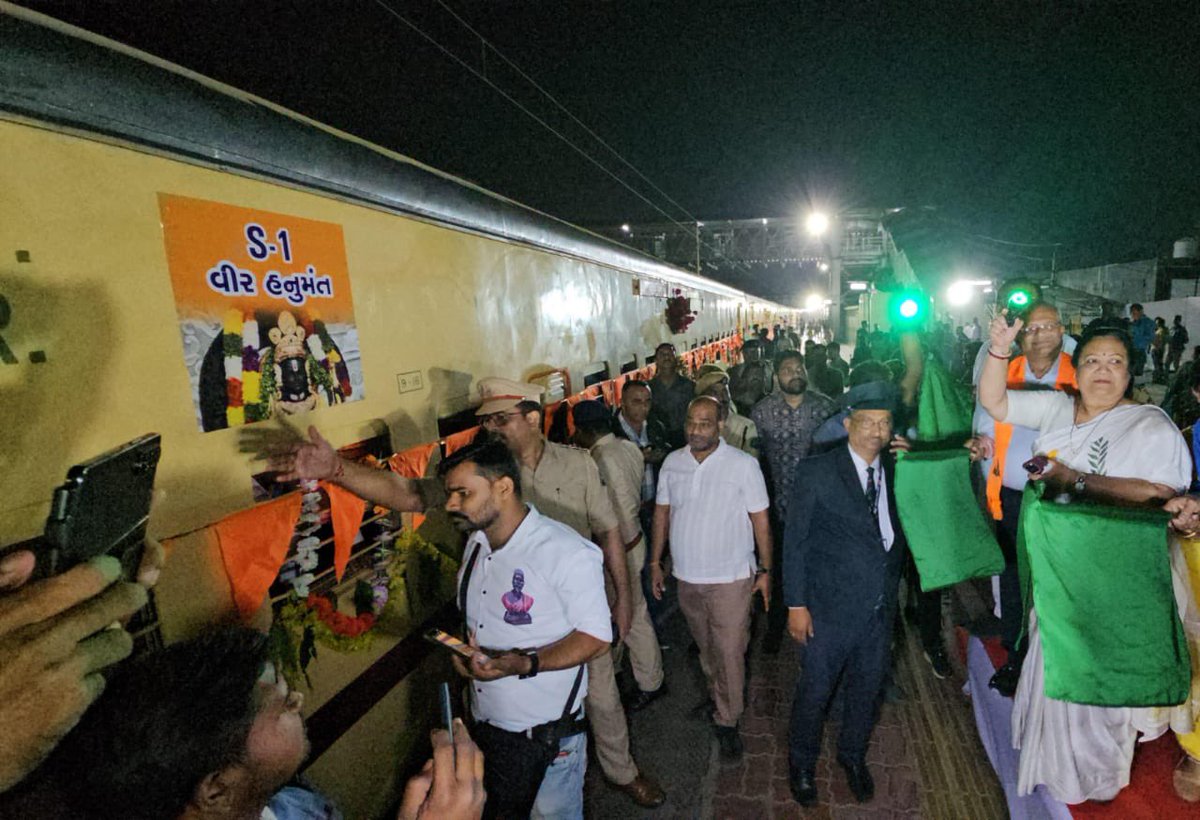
x,y
1102,446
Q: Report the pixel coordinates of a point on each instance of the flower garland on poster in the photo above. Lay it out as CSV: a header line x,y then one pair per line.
x,y
251,383
679,312
308,620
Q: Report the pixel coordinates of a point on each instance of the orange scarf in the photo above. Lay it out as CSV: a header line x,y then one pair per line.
x,y
1003,434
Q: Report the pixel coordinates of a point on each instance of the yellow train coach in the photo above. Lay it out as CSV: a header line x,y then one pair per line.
x,y
182,258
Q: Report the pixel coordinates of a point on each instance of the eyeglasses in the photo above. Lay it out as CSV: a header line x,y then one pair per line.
x,y
1044,327
499,419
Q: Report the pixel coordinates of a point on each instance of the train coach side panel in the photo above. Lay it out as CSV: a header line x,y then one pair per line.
x,y
92,326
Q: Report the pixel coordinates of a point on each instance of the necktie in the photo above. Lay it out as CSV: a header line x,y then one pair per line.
x,y
872,494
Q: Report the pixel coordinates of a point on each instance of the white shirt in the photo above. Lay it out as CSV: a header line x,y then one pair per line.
x,y
712,538
563,591
885,518
1020,445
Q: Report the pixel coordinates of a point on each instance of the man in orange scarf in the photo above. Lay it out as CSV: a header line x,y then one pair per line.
x,y
1041,365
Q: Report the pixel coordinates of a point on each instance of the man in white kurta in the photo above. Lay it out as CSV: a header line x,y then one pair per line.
x,y
712,501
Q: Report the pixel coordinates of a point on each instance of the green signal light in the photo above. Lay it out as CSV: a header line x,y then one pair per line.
x,y
908,309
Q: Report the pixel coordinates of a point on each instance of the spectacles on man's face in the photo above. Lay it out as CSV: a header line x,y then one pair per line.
x,y
499,419
1042,327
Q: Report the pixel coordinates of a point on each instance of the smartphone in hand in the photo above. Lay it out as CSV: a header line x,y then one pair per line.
x,y
1036,465
103,509
448,641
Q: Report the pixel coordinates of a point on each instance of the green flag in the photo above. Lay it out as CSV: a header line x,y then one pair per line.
x,y
1101,579
944,408
949,538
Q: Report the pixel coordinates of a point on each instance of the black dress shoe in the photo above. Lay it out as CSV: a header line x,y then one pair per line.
x,y
1006,679
641,698
858,778
938,662
729,743
804,787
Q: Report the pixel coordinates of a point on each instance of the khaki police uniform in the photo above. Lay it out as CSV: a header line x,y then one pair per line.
x,y
621,469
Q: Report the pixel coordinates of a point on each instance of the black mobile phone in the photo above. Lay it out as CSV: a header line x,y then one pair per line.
x,y
103,509
1036,464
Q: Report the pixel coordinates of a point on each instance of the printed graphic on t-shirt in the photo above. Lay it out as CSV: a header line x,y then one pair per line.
x,y
516,603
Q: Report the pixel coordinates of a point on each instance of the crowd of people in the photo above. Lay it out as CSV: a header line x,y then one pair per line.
x,y
771,480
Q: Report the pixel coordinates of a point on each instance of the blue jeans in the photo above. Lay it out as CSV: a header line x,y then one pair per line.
x,y
561,794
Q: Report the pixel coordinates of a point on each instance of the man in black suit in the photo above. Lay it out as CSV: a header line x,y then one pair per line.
x,y
843,553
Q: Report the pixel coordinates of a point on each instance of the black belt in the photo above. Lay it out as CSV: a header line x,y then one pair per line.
x,y
555,730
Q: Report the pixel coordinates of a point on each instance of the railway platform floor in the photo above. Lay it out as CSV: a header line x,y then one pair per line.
x,y
925,754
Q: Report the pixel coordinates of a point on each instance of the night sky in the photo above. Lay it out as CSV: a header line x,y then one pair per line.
x,y
1041,122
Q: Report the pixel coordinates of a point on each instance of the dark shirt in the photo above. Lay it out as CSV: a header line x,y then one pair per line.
x,y
827,380
785,436
1179,337
1143,332
668,406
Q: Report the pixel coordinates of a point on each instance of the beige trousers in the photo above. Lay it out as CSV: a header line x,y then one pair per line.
x,y
610,731
607,716
718,616
645,655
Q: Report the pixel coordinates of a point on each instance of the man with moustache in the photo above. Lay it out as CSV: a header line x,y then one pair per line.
x,y
786,421
1041,364
712,502
843,553
672,391
632,421
563,484
529,678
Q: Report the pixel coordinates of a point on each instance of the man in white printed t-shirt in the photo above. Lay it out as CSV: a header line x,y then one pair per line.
x,y
712,499
532,595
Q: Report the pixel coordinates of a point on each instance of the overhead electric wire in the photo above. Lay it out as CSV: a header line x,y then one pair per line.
x,y
525,110
1019,244
563,108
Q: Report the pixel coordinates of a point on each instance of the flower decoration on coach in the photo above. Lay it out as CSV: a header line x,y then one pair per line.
x,y
679,312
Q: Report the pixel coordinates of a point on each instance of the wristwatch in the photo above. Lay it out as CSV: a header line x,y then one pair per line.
x,y
762,571
1080,483
533,665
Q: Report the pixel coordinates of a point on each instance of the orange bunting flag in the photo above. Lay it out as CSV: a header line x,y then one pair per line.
x,y
460,440
346,512
619,388
547,417
413,462
608,392
254,545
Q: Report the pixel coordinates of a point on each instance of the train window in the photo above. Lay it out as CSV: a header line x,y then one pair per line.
x,y
464,419
595,373
630,365
650,358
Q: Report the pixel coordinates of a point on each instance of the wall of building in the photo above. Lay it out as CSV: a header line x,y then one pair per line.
x,y
1122,282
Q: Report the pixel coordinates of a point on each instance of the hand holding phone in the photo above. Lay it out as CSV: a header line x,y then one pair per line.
x,y
448,641
1036,465
53,647
103,508
447,709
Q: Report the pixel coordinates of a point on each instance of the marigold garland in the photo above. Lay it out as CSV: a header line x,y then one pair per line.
x,y
302,623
